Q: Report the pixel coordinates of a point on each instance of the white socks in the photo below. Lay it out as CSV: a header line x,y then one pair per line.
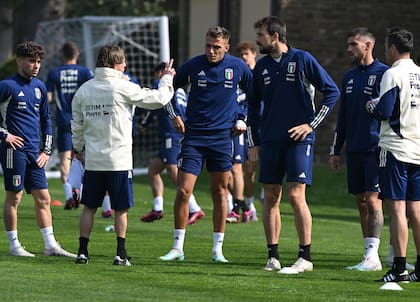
x,y
193,206
230,203
218,243
372,246
106,204
49,238
158,203
179,237
13,239
68,190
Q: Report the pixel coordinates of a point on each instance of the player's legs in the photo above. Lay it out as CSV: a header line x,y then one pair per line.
x,y
11,204
249,169
185,185
413,212
42,207
65,163
155,168
271,213
42,200
303,218
363,213
272,172
218,188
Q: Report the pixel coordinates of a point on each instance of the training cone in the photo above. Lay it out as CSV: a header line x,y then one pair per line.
x,y
56,203
391,286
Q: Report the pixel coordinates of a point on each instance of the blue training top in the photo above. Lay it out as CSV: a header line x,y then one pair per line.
x,y
65,80
23,108
287,89
355,125
212,99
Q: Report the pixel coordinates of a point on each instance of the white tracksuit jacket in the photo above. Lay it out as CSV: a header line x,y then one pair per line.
x,y
102,122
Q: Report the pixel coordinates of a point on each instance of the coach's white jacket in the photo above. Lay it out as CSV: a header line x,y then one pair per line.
x,y
103,117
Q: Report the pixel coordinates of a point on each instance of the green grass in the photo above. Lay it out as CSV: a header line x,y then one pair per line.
x,y
336,244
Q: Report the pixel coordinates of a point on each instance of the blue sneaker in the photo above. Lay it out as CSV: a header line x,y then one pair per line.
x,y
220,259
173,254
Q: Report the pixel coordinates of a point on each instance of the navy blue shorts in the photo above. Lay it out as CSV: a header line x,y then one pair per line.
x,y
280,159
240,149
64,142
398,180
119,185
215,148
20,170
362,172
169,150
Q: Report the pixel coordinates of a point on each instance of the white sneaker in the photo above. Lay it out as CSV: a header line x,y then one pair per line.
x,y
301,265
58,251
20,252
272,264
367,265
408,266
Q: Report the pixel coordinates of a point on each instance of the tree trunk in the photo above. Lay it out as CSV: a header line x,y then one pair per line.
x,y
35,11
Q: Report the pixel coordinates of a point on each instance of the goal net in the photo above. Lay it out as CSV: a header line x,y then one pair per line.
x,y
146,44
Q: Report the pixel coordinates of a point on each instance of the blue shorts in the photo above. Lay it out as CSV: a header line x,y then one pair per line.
x,y
291,159
119,185
213,147
398,180
169,150
362,172
240,149
20,170
64,142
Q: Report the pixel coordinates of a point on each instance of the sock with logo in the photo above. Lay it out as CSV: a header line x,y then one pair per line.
x,y
305,252
179,236
273,251
13,239
372,246
218,243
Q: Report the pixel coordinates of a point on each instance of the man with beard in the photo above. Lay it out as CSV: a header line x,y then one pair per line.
x,y
283,136
360,131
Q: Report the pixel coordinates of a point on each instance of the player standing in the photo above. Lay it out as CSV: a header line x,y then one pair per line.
x,y
62,83
360,131
283,137
213,117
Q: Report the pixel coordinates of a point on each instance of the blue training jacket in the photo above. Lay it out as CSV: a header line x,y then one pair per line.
x,y
213,92
23,108
287,89
355,125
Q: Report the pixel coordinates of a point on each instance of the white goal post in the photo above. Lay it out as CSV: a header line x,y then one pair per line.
x,y
146,44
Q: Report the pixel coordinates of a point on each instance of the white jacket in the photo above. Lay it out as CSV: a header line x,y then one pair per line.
x,y
103,117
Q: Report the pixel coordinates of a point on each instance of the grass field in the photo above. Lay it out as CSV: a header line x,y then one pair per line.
x,y
336,244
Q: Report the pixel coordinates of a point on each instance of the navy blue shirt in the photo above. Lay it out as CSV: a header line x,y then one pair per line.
x,y
65,80
23,108
355,125
288,90
213,92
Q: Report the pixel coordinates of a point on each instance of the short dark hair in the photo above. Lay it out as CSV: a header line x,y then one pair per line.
x,y
69,50
30,50
273,25
217,32
361,31
246,45
110,55
401,38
